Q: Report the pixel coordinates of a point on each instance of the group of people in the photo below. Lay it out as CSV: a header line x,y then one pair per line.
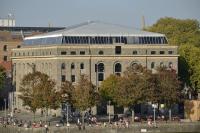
x,y
122,123
20,123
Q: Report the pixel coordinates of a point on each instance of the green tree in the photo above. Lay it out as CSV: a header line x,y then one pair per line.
x,y
83,95
178,31
185,34
168,85
191,56
2,76
66,92
108,87
37,92
130,89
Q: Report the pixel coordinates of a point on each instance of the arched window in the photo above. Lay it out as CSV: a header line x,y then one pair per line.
x,y
152,65
161,64
118,69
63,66
100,69
72,66
18,46
134,64
5,48
101,52
170,65
81,66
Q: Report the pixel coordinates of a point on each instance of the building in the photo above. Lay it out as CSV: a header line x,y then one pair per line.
x,y
94,48
11,37
7,22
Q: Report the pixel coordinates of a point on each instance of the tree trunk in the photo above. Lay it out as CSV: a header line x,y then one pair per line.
x,y
46,115
198,95
133,115
170,114
33,116
83,123
158,109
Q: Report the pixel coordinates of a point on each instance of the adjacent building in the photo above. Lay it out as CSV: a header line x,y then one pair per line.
x,y
11,37
94,48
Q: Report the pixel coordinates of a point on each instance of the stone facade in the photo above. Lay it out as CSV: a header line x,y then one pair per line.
x,y
66,62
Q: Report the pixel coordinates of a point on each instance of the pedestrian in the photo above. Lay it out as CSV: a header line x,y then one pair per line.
x,y
46,128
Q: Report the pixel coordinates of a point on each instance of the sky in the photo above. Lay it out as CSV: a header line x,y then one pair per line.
x,y
71,12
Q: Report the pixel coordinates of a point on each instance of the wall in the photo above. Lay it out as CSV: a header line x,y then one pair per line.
x,y
192,110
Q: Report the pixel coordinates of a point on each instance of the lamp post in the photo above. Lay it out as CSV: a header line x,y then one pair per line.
x,y
5,106
67,115
109,111
154,113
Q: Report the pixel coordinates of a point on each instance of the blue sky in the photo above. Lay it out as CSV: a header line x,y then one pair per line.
x,y
70,12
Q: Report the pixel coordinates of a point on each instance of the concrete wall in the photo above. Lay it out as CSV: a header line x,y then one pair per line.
x,y
192,110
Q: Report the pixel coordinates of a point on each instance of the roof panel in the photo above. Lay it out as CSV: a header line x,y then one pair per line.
x,y
97,28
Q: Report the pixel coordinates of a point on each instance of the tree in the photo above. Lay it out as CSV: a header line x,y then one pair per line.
x,y
108,87
2,76
190,71
185,34
66,92
168,85
178,31
82,95
128,90
37,92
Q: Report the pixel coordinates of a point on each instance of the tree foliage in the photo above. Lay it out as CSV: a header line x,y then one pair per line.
x,y
66,92
82,95
185,34
167,89
108,87
2,76
37,91
178,31
139,85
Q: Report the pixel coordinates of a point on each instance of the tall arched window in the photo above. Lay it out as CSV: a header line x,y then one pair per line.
x,y
5,48
72,66
152,65
118,69
170,65
161,64
63,66
81,66
100,71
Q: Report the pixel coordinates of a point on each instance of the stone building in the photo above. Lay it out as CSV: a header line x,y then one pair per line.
x,y
94,48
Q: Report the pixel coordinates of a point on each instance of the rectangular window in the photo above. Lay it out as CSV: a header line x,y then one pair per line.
x,y
73,52
73,78
82,52
118,50
153,52
100,77
63,52
162,52
63,78
5,58
170,52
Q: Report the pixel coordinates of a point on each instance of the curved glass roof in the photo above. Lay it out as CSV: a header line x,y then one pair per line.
x,y
96,32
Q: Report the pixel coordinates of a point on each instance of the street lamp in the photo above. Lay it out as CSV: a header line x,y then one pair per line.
x,y
109,111
5,106
67,114
154,113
